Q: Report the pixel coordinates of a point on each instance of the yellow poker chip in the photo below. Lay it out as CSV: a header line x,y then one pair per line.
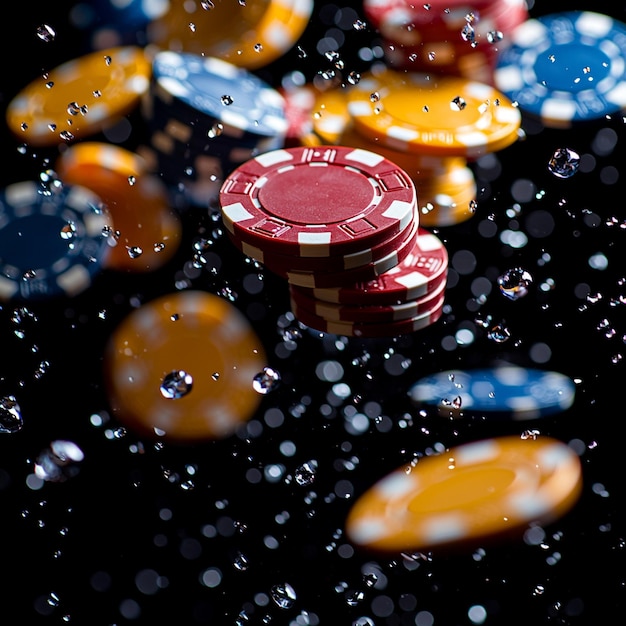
x,y
485,489
181,367
447,198
204,28
430,114
148,231
275,34
249,35
331,117
80,97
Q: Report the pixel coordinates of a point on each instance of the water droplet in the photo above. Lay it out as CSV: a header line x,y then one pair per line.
x,y
458,103
216,130
207,5
107,59
258,47
468,33
226,100
241,562
58,462
493,36
354,77
29,275
514,283
46,33
53,599
10,415
374,97
564,163
499,333
359,25
66,135
305,474
68,231
283,595
266,381
353,598
176,384
134,252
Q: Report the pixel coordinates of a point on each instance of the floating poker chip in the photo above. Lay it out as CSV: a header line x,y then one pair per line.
x,y
181,367
506,391
220,91
317,202
369,330
213,32
446,187
433,115
148,231
457,38
565,68
419,274
249,35
367,314
276,33
80,97
52,243
488,489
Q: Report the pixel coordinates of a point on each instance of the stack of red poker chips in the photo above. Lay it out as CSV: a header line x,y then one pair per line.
x,y
341,225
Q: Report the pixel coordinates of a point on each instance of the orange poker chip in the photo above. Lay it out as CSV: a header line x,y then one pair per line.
x,y
182,366
80,97
148,230
468,494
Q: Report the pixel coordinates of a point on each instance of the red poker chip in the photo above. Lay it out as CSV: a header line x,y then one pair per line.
x,y
282,263
372,329
333,312
402,19
432,40
415,276
337,278
317,202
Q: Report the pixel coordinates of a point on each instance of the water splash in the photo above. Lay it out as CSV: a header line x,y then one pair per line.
x,y
11,420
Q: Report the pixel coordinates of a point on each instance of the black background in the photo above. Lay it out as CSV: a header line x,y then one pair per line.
x,y
86,540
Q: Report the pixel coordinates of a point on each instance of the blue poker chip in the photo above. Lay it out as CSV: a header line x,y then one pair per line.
x,y
129,14
517,393
565,67
221,91
52,243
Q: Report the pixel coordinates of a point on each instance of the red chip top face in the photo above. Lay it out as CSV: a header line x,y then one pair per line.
x,y
317,202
